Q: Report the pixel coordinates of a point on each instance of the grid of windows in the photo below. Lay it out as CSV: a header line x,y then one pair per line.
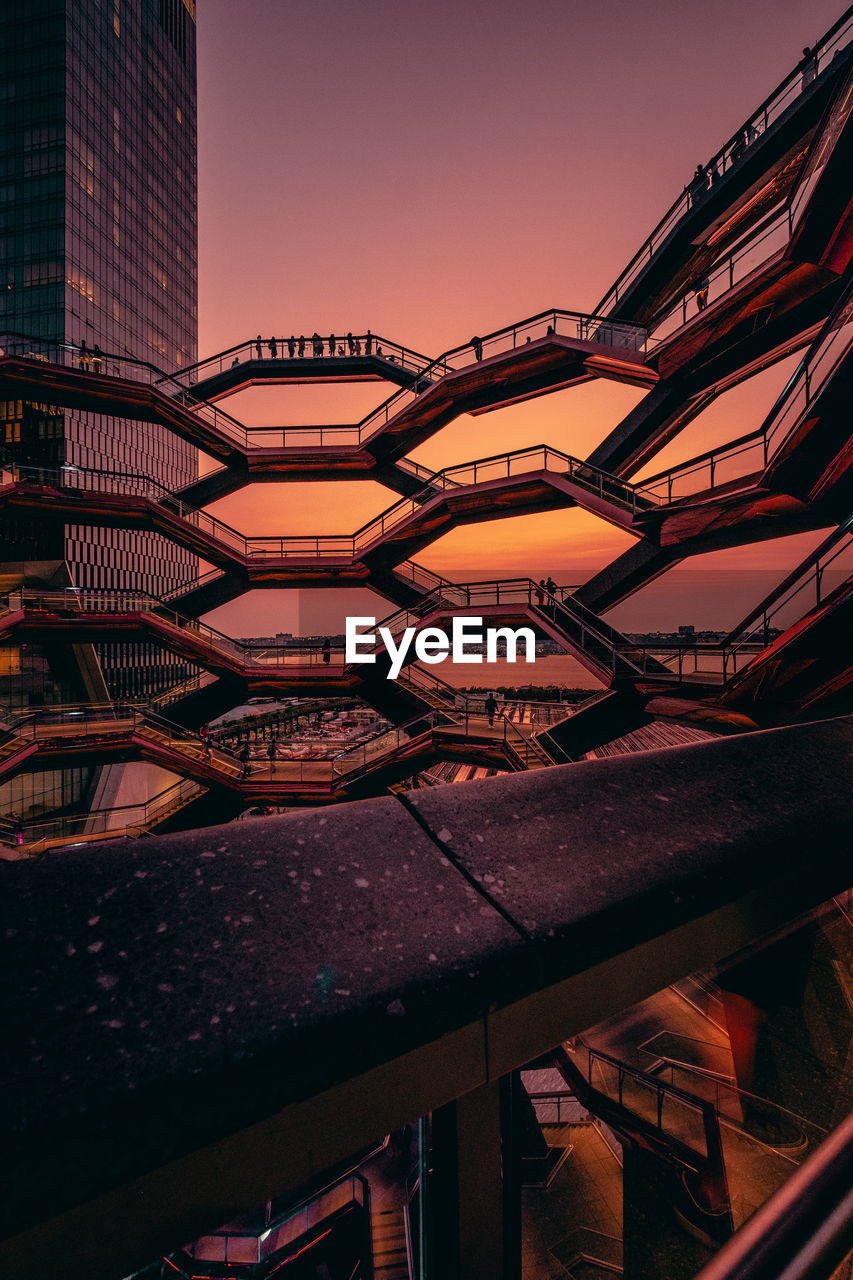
x,y
27,797
98,234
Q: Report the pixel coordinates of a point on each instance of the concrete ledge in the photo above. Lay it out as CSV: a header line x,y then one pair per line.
x,y
194,1022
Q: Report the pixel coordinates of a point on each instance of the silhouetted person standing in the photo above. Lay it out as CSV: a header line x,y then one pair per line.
x,y
333,344
477,344
327,651
808,66
273,348
368,344
699,185
84,355
350,344
291,346
740,145
259,347
540,593
301,345
96,359
491,708
702,293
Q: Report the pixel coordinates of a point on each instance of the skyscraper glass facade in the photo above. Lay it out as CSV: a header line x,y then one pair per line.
x,y
98,245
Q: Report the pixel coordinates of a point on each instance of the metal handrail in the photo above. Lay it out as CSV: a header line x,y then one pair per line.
x,y
728,156
356,345
267,1239
823,357
739,263
822,145
805,1230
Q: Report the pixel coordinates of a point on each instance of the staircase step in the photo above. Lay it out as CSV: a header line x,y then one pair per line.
x,y
390,1257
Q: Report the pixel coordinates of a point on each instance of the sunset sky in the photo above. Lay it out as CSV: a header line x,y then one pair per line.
x,y
436,170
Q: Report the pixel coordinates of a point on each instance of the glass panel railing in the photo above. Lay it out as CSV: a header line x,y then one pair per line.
x,y
821,575
379,748
708,471
523,713
821,150
752,452
686,1120
770,238
812,375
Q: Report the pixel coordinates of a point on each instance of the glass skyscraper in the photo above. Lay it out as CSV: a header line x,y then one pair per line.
x,y
98,245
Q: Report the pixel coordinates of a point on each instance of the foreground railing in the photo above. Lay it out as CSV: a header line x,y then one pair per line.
x,y
341,1046
805,1230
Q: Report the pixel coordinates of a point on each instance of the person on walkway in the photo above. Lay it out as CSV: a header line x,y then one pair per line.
x,y
808,66
551,586
259,347
96,358
272,751
84,354
273,348
291,346
350,344
698,185
368,344
540,593
702,293
477,344
204,734
246,760
333,344
235,362
301,345
740,145
327,651
317,342
491,708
